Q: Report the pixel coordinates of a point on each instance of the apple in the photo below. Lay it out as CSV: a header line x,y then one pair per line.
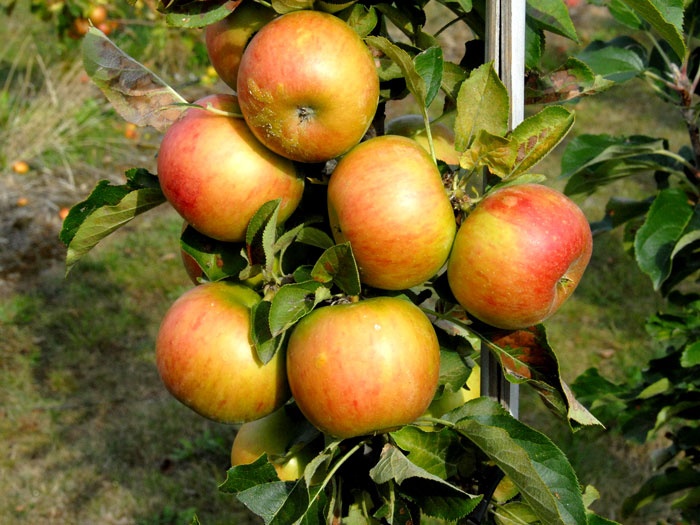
x,y
20,167
364,367
307,86
412,126
450,400
386,197
226,39
519,255
98,15
216,174
206,359
271,435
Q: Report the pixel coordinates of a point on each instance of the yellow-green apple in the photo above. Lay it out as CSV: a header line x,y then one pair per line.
x,y
519,255
308,86
387,198
451,400
227,38
216,174
271,435
363,367
206,359
412,126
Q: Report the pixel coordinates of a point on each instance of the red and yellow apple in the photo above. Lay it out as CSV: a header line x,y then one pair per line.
x,y
227,38
519,255
206,359
363,367
412,126
307,86
387,198
271,435
216,174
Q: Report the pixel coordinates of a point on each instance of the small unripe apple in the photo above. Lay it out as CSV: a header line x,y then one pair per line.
x,y
206,359
216,174
364,367
307,86
413,126
451,400
271,435
387,198
227,38
519,255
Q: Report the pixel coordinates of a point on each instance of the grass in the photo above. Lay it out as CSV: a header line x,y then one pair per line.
x,y
90,434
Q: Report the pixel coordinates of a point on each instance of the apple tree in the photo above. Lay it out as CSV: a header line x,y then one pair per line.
x,y
657,44
335,317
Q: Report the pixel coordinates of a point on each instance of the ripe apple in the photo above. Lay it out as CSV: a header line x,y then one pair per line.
x,y
206,359
98,14
20,167
308,86
386,197
519,255
227,38
412,126
271,435
216,174
451,400
363,367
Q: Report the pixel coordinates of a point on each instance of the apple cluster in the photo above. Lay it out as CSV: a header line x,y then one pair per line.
x,y
307,90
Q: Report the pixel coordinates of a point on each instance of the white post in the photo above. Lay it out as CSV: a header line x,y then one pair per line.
x,y
505,46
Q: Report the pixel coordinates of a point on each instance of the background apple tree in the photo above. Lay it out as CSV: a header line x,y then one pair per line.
x,y
471,461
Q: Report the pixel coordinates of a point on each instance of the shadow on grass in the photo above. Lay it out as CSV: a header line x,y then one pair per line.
x,y
92,434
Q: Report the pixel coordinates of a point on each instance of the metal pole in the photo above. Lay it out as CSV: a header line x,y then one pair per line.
x,y
505,46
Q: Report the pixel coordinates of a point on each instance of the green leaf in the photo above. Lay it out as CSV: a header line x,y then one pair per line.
x,y
691,355
666,17
294,301
200,14
668,217
526,356
624,14
490,151
571,80
436,452
137,94
278,502
452,78
218,260
243,477
659,387
553,16
672,480
454,371
414,82
439,498
619,60
337,265
104,220
287,6
618,211
261,234
315,237
690,234
482,103
535,465
590,161
361,18
516,513
429,66
534,43
539,134
266,345
594,519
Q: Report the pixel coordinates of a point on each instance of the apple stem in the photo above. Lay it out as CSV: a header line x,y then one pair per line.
x,y
429,134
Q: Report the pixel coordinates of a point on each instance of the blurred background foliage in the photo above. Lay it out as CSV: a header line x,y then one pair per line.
x,y
88,433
